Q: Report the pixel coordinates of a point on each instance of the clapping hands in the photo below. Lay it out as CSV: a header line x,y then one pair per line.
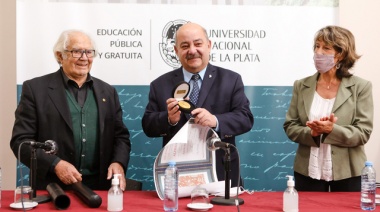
x,y
323,125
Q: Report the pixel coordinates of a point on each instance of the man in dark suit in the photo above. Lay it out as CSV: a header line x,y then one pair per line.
x,y
81,113
221,105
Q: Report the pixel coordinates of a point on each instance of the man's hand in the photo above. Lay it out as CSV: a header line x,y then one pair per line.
x,y
116,168
203,117
67,173
174,114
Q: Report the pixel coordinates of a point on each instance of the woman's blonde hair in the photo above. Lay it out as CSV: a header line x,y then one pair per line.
x,y
343,41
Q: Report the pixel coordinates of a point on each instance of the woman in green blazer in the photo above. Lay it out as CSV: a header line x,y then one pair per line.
x,y
331,117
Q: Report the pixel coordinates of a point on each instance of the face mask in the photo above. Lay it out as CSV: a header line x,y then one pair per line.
x,y
323,63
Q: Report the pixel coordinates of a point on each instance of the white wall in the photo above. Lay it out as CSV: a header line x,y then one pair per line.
x,y
360,17
7,90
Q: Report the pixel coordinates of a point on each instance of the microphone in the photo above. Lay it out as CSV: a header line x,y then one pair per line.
x,y
49,146
214,143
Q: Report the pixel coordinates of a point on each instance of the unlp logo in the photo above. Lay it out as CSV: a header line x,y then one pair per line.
x,y
168,41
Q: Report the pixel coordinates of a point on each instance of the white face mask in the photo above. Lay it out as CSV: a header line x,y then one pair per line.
x,y
323,63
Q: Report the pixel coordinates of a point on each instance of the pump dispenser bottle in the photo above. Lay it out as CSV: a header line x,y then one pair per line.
x,y
115,195
290,199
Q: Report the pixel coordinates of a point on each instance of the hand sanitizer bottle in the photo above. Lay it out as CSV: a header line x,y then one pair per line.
x,y
115,195
290,199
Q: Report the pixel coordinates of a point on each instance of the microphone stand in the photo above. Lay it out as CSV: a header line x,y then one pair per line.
x,y
32,178
226,199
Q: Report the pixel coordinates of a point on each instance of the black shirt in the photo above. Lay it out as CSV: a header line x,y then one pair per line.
x,y
79,93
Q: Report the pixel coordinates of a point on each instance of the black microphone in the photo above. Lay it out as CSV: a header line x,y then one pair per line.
x,y
214,143
49,146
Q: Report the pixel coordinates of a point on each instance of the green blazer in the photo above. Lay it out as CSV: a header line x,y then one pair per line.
x,y
354,108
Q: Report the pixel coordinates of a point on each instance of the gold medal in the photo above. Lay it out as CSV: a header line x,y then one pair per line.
x,y
184,104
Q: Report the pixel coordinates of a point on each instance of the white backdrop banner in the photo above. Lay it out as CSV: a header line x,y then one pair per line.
x,y
270,46
267,45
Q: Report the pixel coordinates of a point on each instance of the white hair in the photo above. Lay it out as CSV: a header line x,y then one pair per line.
x,y
64,39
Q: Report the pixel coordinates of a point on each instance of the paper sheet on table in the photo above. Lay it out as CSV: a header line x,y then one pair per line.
x,y
212,188
195,162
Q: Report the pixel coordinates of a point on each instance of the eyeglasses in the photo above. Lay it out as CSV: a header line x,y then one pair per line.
x,y
78,53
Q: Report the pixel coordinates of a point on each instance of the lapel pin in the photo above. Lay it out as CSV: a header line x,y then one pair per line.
x,y
209,76
104,100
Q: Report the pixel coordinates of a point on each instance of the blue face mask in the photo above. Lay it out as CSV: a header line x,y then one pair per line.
x,y
323,63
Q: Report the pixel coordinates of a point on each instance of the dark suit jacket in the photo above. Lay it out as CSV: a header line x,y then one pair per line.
x,y
222,94
43,114
354,108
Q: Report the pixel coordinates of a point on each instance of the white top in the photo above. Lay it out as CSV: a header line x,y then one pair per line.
x,y
320,164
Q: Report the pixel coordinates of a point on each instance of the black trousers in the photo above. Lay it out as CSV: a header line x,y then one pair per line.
x,y
305,183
